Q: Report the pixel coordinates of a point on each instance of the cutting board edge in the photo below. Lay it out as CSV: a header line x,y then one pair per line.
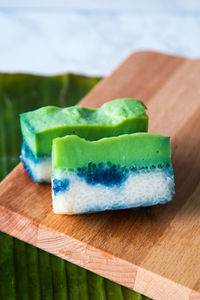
x,y
98,261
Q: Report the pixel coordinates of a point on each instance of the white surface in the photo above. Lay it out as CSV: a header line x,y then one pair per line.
x,y
119,5
141,189
92,41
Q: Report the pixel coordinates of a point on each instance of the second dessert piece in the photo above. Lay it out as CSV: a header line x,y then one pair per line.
x,y
111,173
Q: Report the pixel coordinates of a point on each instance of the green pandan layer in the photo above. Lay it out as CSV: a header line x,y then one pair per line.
x,y
114,118
137,149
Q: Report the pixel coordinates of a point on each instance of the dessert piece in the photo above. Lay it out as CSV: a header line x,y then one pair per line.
x,y
130,170
41,126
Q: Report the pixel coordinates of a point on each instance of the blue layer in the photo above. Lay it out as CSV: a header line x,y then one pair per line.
x,y
60,186
27,154
108,176
111,175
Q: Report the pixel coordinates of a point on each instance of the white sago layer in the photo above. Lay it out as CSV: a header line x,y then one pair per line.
x,y
139,189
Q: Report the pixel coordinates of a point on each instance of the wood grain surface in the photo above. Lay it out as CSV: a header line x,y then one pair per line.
x,y
155,250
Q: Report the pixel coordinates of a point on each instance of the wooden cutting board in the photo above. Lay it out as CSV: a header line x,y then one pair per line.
x,y
155,251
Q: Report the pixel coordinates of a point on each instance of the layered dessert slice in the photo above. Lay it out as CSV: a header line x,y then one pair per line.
x,y
130,170
41,126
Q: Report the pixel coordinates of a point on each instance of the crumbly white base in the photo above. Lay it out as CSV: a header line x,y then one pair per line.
x,y
140,189
40,171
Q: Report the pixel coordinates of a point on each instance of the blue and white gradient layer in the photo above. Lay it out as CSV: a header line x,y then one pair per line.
x,y
110,188
38,167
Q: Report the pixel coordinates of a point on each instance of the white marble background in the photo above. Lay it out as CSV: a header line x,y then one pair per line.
x,y
92,37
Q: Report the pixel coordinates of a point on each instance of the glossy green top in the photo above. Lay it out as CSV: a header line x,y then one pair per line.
x,y
138,149
116,117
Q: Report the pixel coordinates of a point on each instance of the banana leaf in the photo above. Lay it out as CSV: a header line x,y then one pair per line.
x,y
28,273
